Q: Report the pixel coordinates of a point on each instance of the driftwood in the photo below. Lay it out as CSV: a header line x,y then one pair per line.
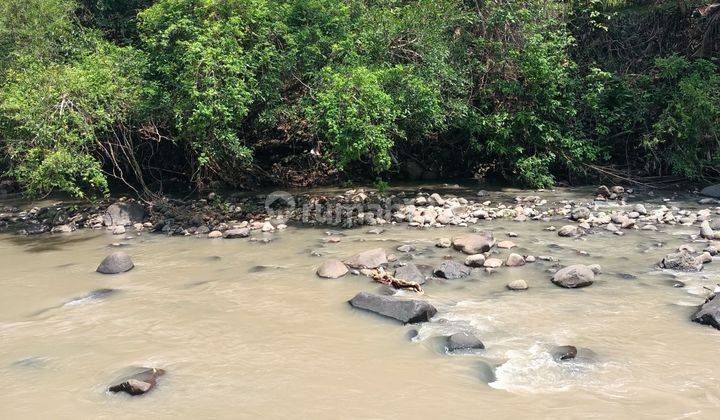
x,y
385,278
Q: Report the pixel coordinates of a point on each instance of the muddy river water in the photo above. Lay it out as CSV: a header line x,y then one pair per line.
x,y
247,330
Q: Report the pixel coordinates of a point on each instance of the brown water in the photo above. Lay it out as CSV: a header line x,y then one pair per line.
x,y
246,330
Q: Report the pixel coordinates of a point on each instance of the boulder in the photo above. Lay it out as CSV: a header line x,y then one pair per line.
x,y
515,260
215,234
517,285
401,309
681,261
452,270
711,191
474,243
124,214
237,233
332,269
574,276
373,258
476,260
117,262
410,272
138,383
708,313
463,341
580,213
569,231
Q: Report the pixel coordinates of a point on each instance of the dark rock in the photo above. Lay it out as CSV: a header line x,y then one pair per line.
x,y
681,261
34,229
138,383
403,310
474,243
410,272
708,313
560,353
124,214
463,341
452,270
411,333
711,191
117,262
574,276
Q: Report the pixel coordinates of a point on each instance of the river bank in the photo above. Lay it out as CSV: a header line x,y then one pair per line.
x,y
246,317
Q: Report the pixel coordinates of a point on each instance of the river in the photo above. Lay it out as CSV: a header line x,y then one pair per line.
x,y
247,330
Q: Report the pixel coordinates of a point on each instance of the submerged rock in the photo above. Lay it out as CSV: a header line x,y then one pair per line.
x,y
403,310
517,285
138,383
452,270
117,262
406,248
560,353
373,258
463,341
332,269
708,313
574,276
475,243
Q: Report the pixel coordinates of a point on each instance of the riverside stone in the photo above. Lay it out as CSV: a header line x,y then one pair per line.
x,y
407,311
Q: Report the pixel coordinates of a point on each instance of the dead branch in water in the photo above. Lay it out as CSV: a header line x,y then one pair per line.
x,y
384,278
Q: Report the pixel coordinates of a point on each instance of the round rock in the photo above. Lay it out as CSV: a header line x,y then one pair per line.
x,y
332,269
117,262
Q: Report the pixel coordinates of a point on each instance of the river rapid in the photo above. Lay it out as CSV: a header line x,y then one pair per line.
x,y
246,329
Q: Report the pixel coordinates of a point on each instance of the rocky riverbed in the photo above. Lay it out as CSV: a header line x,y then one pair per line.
x,y
522,297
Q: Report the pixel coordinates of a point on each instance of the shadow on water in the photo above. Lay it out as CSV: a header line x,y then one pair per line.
x,y
49,243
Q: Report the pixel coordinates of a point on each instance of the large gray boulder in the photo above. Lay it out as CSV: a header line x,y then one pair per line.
x,y
708,313
117,262
124,214
681,261
574,276
373,258
138,383
403,310
476,243
711,191
410,272
452,270
332,269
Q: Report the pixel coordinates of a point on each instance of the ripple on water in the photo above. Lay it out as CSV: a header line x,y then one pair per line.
x,y
535,371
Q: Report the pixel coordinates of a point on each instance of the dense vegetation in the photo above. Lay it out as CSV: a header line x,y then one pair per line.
x,y
96,93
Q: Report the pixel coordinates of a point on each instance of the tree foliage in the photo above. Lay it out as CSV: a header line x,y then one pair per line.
x,y
93,91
